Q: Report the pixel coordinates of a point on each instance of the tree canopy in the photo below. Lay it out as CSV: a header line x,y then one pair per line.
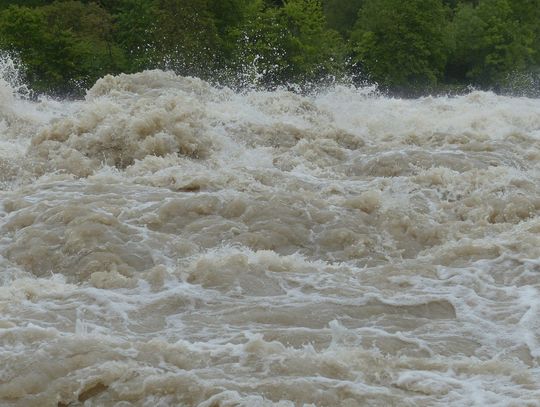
x,y
403,45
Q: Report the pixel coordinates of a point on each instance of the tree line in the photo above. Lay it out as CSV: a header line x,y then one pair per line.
x,y
406,46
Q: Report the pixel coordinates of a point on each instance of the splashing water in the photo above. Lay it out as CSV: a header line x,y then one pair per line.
x,y
165,242
11,84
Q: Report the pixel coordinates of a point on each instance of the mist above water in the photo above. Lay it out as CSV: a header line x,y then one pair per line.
x,y
165,242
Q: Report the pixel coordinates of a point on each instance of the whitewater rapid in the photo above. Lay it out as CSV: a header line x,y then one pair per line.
x,y
164,242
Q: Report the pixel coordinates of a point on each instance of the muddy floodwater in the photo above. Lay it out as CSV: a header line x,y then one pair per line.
x,y
164,242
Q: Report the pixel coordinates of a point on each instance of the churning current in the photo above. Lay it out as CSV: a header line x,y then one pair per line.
x,y
164,242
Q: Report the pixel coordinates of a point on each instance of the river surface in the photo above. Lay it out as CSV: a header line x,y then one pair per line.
x,y
167,243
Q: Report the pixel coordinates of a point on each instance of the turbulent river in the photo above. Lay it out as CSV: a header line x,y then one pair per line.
x,y
167,243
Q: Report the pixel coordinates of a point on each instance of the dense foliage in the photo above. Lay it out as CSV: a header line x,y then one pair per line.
x,y
408,46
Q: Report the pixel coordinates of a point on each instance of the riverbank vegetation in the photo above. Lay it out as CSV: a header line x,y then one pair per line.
x,y
409,47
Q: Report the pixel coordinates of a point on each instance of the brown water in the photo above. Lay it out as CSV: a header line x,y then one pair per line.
x,y
167,243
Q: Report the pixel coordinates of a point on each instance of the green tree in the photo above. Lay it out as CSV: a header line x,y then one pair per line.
x,y
313,48
169,34
231,17
92,28
293,43
491,43
64,46
527,14
137,27
187,37
25,3
342,14
49,56
401,43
